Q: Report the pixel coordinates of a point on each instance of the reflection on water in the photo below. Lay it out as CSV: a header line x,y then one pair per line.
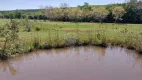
x,y
6,66
74,63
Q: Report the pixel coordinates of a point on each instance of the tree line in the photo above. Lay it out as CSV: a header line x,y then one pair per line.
x,y
17,14
128,12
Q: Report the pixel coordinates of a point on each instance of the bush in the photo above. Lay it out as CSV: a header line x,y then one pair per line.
x,y
37,29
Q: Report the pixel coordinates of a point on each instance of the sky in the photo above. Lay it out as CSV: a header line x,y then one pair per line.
x,y
35,4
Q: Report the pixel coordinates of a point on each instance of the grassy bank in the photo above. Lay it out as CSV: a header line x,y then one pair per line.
x,y
46,35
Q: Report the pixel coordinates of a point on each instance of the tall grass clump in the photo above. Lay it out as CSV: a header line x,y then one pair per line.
x,y
27,25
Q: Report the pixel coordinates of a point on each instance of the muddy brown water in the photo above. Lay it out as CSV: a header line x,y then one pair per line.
x,y
74,63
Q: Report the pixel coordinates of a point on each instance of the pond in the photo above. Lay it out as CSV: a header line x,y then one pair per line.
x,y
74,63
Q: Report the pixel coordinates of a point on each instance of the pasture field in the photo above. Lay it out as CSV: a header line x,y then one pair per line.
x,y
48,34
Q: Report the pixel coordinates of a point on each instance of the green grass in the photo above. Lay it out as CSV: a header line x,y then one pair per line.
x,y
62,34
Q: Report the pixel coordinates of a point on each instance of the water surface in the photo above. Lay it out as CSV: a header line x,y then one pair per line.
x,y
74,63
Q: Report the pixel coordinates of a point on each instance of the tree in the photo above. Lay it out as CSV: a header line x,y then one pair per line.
x,y
60,14
134,12
99,13
64,5
17,14
1,16
86,6
11,15
118,13
65,11
72,15
48,11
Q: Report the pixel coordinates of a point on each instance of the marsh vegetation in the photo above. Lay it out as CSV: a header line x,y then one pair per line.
x,y
46,35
